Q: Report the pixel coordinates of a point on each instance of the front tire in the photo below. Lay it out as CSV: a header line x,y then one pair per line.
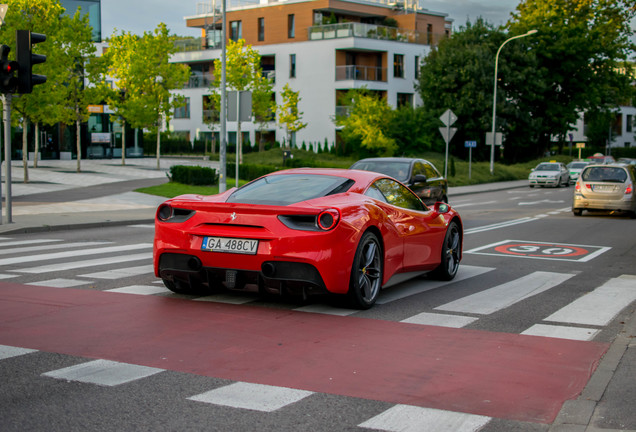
x,y
577,212
366,272
451,254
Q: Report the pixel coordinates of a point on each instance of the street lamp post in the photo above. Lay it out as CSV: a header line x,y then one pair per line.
x,y
494,100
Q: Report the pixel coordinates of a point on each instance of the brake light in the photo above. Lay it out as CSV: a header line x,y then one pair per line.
x,y
328,219
629,189
577,188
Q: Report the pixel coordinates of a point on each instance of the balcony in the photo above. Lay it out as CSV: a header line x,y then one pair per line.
x,y
199,81
360,73
372,31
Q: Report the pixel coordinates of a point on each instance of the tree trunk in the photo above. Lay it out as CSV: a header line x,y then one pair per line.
x,y
123,143
37,145
78,139
25,151
159,143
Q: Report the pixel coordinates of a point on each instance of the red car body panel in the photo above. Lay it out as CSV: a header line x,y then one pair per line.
x,y
411,240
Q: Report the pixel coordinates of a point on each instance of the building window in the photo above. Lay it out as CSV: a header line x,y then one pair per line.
x,y
183,112
292,65
261,29
404,99
210,114
236,30
629,123
417,67
291,27
398,65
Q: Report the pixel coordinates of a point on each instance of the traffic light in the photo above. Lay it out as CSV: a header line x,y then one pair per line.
x,y
8,68
24,42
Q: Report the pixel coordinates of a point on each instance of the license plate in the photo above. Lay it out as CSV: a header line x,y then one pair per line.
x,y
603,188
230,245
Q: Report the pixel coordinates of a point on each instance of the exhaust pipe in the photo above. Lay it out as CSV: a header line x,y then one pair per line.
x,y
194,263
268,269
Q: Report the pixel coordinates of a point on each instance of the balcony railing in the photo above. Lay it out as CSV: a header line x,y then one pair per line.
x,y
200,80
372,31
360,73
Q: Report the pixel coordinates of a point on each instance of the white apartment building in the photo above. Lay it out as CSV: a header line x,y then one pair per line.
x,y
321,48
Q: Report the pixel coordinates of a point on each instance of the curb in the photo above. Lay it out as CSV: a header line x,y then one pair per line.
x,y
577,414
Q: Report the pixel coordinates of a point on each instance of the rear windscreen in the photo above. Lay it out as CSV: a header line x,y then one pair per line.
x,y
605,174
286,189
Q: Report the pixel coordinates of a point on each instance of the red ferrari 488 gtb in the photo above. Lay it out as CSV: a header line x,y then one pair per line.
x,y
306,231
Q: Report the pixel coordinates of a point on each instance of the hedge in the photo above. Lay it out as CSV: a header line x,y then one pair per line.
x,y
193,175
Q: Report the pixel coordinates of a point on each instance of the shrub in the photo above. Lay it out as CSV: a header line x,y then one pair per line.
x,y
193,175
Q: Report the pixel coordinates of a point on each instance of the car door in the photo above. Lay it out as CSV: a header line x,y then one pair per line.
x,y
436,182
419,227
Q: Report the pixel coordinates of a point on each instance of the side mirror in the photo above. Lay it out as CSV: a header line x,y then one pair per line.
x,y
441,207
419,178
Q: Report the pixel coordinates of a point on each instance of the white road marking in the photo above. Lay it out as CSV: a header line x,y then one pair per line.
x,y
121,273
505,295
7,351
69,254
27,242
417,286
86,263
406,418
326,309
139,290
258,397
59,283
103,372
562,332
7,276
473,203
601,305
498,225
40,248
441,320
541,201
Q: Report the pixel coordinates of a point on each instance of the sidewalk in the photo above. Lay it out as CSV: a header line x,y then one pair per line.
x,y
59,198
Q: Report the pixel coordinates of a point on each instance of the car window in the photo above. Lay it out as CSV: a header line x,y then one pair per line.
x,y
431,172
398,195
286,189
374,192
605,174
396,169
547,167
419,168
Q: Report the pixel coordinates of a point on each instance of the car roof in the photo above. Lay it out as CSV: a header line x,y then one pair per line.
x,y
356,175
390,159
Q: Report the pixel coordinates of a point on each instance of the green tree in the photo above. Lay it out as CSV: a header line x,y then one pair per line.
x,y
80,77
141,66
42,105
458,74
368,122
581,49
242,73
289,116
263,106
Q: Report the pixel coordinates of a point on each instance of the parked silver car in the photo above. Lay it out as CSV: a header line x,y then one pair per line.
x,y
605,187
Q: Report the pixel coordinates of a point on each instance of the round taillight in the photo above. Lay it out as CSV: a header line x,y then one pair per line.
x,y
165,212
328,219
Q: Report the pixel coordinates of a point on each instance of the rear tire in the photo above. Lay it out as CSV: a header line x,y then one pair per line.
x,y
577,212
366,272
451,254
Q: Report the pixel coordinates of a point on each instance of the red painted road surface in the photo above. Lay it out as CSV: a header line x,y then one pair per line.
x,y
501,375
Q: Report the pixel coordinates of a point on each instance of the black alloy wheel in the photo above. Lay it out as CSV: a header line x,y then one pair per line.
x,y
451,253
366,272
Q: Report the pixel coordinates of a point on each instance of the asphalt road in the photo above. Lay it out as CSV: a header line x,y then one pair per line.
x,y
501,348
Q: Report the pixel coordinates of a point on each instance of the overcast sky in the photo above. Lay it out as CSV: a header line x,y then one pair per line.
x,y
138,16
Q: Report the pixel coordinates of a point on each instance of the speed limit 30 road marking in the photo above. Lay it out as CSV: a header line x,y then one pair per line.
x,y
541,250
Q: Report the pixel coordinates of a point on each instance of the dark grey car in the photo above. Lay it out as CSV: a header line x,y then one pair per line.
x,y
419,175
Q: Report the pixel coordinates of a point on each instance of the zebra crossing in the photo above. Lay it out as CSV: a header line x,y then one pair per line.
x,y
42,264
28,263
